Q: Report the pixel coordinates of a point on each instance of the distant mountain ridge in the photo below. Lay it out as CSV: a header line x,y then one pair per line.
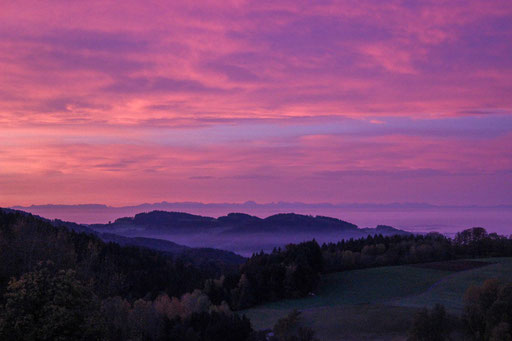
x,y
99,213
280,204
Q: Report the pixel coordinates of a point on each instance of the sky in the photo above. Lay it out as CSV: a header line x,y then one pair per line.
x,y
124,102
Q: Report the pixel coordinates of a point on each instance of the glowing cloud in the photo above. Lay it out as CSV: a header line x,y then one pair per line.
x,y
122,102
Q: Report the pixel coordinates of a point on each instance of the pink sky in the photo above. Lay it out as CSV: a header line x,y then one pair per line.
x,y
123,102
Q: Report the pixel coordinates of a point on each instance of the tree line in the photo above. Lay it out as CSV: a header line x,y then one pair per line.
x,y
411,249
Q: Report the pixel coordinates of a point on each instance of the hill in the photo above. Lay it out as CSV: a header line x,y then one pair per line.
x,y
26,241
238,232
233,223
220,259
285,223
60,284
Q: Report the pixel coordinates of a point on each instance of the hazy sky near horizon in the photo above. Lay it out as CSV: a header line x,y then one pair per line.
x,y
123,102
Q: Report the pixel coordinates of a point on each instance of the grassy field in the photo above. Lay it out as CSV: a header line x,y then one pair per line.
x,y
450,290
378,303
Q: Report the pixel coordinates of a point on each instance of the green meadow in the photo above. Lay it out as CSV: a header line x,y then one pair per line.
x,y
378,303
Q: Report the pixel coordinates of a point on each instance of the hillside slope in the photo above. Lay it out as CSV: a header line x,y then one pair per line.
x,y
220,258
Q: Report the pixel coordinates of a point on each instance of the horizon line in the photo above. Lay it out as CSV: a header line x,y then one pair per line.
x,y
273,203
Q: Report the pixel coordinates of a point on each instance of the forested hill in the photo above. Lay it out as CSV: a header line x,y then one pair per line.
x,y
112,270
241,233
59,284
200,256
56,283
219,259
234,223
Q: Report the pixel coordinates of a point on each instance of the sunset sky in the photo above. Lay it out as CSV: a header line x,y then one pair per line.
x,y
124,102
